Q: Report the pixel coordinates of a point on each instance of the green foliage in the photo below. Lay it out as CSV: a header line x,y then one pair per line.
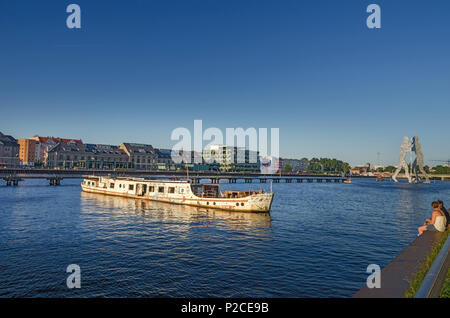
x,y
445,292
287,168
390,169
441,170
327,165
414,285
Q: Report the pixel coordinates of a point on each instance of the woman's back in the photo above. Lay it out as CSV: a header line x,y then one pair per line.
x,y
441,222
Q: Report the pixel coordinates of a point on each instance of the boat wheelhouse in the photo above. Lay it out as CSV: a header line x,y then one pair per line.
x,y
180,192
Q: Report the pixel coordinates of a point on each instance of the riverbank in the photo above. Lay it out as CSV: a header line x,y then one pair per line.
x,y
403,276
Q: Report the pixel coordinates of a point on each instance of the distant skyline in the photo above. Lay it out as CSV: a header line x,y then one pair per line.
x,y
136,70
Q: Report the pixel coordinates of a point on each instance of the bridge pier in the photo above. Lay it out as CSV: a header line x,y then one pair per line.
x,y
54,181
12,181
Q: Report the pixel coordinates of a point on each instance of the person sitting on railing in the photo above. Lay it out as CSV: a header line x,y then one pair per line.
x,y
437,223
443,209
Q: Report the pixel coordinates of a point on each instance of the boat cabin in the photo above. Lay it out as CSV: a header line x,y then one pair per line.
x,y
206,190
240,194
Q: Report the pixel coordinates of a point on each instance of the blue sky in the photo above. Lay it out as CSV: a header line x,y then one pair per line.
x,y
138,69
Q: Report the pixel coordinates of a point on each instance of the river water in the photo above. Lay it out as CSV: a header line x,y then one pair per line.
x,y
317,241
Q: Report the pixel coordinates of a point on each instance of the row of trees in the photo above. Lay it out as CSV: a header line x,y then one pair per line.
x,y
327,165
434,170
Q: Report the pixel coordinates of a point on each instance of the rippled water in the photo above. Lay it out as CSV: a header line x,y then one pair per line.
x,y
317,241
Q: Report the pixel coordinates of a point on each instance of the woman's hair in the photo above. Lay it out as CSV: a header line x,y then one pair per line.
x,y
440,202
435,204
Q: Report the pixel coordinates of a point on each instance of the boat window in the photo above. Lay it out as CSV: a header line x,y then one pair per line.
x,y
151,189
237,204
242,204
111,185
182,190
171,190
131,187
161,189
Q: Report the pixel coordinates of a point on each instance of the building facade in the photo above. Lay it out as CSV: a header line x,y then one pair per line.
x,y
86,156
43,144
231,159
140,156
9,151
294,165
27,151
164,159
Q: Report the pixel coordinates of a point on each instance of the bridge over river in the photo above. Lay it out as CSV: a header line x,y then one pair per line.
x,y
54,176
14,176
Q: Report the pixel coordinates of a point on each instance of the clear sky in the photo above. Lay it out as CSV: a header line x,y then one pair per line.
x,y
138,69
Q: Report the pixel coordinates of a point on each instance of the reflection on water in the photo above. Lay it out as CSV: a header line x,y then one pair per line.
x,y
316,242
164,212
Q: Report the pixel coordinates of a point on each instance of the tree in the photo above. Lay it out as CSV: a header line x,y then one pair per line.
x,y
287,168
390,169
345,167
441,170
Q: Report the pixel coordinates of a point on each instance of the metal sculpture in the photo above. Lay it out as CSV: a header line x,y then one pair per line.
x,y
404,149
418,161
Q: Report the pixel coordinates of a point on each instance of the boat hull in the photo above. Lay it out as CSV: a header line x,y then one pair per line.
x,y
255,203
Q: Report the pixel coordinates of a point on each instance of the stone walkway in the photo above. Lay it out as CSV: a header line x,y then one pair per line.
x,y
396,275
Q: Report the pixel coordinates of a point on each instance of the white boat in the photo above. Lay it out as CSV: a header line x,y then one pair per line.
x,y
180,192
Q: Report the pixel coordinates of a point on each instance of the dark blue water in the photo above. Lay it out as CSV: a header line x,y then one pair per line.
x,y
317,241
